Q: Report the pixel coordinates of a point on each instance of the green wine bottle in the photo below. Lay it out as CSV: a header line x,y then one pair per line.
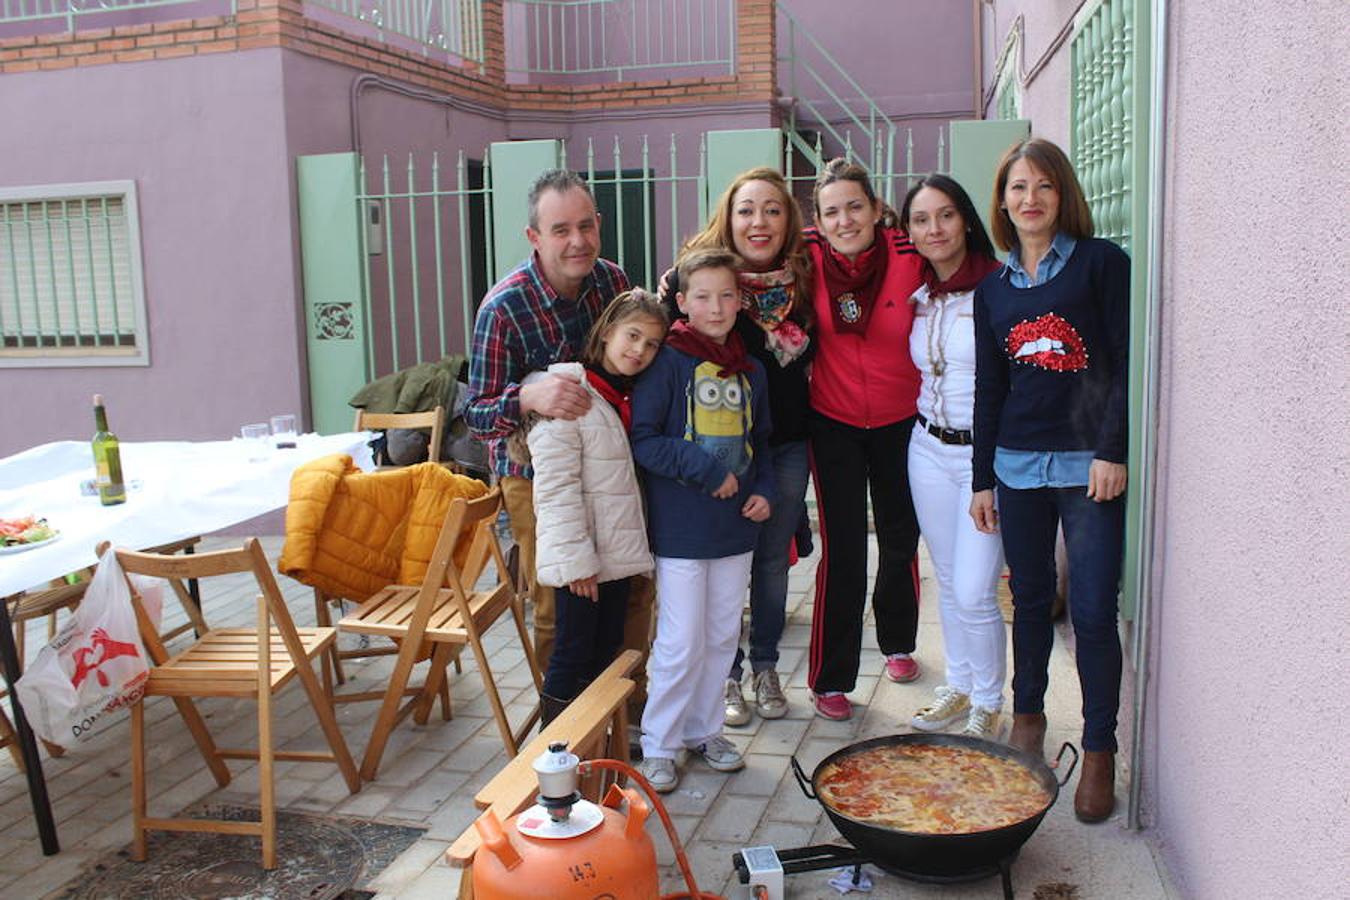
x,y
107,459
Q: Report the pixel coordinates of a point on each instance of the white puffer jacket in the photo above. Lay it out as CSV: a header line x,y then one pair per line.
x,y
587,503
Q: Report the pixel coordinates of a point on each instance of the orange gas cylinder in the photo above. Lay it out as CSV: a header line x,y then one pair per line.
x,y
566,848
593,852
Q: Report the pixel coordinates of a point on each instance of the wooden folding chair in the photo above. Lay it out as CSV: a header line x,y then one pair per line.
x,y
230,662
47,602
368,421
434,419
442,615
188,595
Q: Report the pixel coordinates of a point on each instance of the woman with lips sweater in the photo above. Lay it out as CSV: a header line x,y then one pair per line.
x,y
1052,341
864,388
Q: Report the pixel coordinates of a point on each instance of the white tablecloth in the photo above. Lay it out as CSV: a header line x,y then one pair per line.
x,y
176,489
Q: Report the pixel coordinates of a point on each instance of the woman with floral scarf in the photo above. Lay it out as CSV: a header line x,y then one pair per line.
x,y
758,219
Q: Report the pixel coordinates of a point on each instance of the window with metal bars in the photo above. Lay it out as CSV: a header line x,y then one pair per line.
x,y
1007,89
70,276
1102,115
1007,101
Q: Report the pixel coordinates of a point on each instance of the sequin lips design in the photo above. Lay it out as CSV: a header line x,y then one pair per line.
x,y
1049,343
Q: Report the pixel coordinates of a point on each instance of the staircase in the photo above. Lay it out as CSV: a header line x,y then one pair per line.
x,y
827,114
866,135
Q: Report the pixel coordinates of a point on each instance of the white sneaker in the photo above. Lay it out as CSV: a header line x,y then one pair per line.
x,y
660,773
720,754
950,706
738,713
770,702
982,723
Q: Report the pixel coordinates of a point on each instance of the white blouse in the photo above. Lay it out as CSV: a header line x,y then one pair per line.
x,y
942,345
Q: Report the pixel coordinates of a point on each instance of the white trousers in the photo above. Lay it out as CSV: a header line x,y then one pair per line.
x,y
967,564
698,623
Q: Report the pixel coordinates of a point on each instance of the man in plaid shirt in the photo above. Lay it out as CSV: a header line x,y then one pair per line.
x,y
539,314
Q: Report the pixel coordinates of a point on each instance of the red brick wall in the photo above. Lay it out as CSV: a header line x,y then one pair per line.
x,y
281,23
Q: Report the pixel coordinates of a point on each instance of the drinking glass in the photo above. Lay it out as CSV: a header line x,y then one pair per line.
x,y
255,441
283,431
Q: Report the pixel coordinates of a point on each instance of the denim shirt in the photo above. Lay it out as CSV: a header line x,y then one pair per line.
x,y
1054,261
1030,469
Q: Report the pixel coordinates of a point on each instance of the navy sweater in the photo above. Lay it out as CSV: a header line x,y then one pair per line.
x,y
688,433
1051,361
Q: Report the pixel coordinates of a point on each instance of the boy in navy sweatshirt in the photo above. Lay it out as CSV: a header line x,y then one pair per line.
x,y
700,432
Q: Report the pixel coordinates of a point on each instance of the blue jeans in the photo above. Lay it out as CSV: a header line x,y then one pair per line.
x,y
589,634
769,570
1094,534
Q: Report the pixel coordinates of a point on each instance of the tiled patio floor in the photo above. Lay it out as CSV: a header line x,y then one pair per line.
x,y
430,774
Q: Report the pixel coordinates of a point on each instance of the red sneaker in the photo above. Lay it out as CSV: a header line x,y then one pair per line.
x,y
832,706
902,669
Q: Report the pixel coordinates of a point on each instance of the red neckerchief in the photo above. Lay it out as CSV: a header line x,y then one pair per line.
x,y
969,274
730,357
853,285
622,401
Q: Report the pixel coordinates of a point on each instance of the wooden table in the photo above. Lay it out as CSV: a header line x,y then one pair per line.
x,y
176,489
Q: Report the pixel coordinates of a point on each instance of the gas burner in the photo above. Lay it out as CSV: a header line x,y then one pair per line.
x,y
834,856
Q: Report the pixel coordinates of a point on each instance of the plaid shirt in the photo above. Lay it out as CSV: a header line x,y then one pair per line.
x,y
523,326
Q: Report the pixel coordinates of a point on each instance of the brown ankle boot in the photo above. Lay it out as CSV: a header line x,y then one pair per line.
x,y
1028,734
1095,798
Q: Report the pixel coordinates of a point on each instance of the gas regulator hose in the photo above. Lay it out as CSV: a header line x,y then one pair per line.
x,y
623,768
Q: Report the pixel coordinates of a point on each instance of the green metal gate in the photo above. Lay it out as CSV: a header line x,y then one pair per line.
x,y
396,254
1109,108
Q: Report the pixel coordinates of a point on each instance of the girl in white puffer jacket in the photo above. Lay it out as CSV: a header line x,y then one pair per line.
x,y
589,525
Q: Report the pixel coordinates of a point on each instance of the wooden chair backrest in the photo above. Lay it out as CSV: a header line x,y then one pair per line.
x,y
467,523
434,419
248,558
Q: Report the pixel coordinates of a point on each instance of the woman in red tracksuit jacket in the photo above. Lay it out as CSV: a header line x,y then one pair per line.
x,y
864,390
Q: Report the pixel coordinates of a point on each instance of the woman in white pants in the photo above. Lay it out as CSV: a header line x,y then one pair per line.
x,y
948,234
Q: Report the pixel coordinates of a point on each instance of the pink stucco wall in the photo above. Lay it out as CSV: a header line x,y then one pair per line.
x,y
202,138
211,143
394,126
1045,98
914,58
1246,784
1248,770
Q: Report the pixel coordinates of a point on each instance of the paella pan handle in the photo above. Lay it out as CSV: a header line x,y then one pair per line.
x,y
1073,765
802,780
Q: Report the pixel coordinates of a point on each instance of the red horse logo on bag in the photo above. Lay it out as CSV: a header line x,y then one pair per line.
x,y
101,649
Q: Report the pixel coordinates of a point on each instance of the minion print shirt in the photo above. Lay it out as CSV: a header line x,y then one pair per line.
x,y
718,417
691,428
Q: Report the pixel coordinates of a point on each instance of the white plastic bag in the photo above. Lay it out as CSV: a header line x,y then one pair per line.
x,y
96,664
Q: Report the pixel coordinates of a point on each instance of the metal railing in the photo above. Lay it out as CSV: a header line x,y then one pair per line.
x,y
889,183
399,283
427,242
453,27
619,37
74,12
812,71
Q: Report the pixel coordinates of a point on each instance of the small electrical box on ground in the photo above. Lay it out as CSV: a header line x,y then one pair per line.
x,y
763,874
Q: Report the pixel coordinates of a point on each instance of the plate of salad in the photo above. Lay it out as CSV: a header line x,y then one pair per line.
x,y
18,535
